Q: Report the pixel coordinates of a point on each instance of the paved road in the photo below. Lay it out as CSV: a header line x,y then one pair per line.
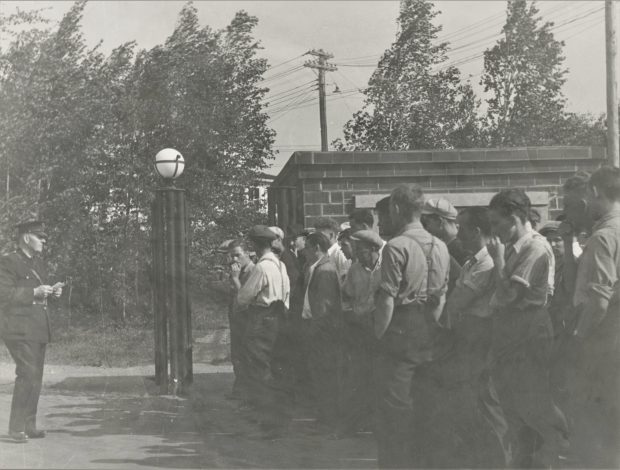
x,y
113,418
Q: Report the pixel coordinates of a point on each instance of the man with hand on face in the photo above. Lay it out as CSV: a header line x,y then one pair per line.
x,y
24,291
240,267
266,296
530,427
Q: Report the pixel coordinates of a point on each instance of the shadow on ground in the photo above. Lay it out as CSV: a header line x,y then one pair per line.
x,y
203,430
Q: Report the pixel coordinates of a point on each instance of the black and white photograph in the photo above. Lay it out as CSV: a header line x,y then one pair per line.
x,y
314,234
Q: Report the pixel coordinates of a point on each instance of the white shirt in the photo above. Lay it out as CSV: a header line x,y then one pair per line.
x,y
306,313
267,283
342,263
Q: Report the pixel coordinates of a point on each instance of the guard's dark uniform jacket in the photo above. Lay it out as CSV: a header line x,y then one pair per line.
x,y
22,318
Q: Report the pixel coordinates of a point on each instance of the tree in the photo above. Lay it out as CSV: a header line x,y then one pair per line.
x,y
79,131
524,75
412,100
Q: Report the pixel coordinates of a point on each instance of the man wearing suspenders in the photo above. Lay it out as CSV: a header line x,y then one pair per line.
x,y
266,294
407,303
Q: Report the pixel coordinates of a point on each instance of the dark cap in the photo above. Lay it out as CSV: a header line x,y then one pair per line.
x,y
549,227
35,227
262,232
368,236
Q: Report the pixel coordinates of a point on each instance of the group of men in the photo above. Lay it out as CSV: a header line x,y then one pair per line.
x,y
513,320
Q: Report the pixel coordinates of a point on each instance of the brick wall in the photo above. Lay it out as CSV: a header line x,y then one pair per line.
x,y
330,180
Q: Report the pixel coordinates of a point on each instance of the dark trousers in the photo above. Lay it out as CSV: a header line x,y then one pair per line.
x,y
323,343
518,399
358,387
238,324
405,346
264,381
29,358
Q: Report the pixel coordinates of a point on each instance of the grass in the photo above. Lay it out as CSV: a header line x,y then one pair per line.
x,y
87,341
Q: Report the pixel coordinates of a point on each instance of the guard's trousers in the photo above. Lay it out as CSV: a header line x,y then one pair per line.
x,y
29,358
264,381
406,345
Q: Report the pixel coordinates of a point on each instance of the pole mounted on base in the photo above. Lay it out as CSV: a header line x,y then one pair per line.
x,y
322,66
173,328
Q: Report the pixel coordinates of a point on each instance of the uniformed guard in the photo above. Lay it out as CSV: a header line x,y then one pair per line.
x,y
266,295
531,428
596,336
24,291
404,321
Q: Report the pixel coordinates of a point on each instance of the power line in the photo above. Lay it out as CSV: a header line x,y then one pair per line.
x,y
285,62
289,96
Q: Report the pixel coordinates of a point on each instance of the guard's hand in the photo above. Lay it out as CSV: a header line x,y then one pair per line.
x,y
57,289
235,270
496,248
43,291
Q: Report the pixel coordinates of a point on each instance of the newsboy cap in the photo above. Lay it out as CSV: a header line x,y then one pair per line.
x,y
368,236
278,232
262,232
441,207
35,227
549,227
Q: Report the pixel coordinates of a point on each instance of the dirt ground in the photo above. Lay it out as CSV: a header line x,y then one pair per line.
x,y
113,418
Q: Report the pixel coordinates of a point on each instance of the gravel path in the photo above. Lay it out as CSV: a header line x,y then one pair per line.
x,y
113,418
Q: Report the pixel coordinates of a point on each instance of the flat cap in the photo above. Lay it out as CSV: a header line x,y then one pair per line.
x,y
368,236
441,207
35,227
279,233
551,226
262,231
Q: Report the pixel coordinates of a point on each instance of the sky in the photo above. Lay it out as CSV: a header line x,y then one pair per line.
x,y
356,33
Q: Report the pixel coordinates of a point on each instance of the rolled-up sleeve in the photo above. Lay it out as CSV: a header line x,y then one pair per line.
x,y
533,267
392,267
602,277
252,287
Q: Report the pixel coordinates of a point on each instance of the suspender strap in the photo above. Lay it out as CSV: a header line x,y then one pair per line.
x,y
429,259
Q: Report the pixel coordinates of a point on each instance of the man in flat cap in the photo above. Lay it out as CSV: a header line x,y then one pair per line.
x,y
266,295
24,290
359,290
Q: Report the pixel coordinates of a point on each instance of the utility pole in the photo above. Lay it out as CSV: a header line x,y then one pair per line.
x,y
611,49
322,66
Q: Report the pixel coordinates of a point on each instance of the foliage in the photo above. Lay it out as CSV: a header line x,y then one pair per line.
x,y
79,131
524,75
412,100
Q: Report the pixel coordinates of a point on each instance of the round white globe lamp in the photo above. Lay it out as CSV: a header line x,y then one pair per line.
x,y
169,163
